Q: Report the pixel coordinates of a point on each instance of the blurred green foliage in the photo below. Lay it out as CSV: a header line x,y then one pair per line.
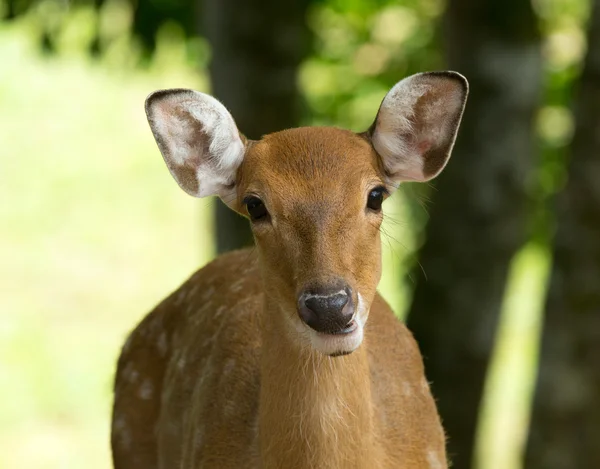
x,y
563,29
94,232
93,235
361,50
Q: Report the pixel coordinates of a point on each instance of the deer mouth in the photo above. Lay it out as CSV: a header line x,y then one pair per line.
x,y
340,342
349,329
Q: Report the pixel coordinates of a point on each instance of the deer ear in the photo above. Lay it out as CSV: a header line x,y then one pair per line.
x,y
417,123
198,139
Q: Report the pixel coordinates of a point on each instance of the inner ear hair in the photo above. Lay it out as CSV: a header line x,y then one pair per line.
x,y
198,140
417,123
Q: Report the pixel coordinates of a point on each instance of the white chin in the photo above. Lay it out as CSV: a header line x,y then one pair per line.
x,y
337,344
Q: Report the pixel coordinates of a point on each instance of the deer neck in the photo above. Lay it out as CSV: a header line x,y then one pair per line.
x,y
315,411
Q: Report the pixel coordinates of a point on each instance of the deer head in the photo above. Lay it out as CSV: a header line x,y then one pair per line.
x,y
313,195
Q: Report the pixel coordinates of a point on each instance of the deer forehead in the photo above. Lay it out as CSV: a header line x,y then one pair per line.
x,y
314,165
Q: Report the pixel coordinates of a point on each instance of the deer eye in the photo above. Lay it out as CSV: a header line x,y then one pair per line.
x,y
375,198
256,208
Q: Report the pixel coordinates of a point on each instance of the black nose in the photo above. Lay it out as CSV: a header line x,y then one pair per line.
x,y
327,310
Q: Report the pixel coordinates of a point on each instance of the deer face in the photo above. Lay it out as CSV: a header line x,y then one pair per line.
x,y
313,195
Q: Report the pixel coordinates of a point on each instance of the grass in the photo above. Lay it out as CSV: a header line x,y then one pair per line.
x,y
94,233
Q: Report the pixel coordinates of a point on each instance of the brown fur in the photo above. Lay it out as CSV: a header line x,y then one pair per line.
x,y
217,377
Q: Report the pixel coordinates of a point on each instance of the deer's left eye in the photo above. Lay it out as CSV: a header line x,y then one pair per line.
x,y
256,208
375,199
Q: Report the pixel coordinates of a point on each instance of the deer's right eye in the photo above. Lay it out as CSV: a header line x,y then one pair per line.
x,y
256,208
375,198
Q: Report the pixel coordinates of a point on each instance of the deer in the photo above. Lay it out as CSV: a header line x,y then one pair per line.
x,y
284,355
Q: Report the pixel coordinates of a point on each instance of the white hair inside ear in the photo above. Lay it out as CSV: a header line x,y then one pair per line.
x,y
417,123
198,140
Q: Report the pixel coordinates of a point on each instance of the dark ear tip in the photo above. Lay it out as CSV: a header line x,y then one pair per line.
x,y
460,78
149,101
452,75
152,98
158,95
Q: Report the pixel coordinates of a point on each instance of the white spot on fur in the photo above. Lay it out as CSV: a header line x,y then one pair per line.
x,y
210,291
219,311
180,297
133,376
181,363
229,366
192,291
121,431
330,408
255,424
208,341
146,390
434,460
237,286
129,373
229,409
162,344
406,388
192,308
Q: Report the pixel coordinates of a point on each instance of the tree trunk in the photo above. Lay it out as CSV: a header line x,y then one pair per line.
x,y
478,216
565,429
257,47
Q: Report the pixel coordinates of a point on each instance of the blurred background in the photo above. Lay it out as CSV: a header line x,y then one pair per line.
x,y
495,266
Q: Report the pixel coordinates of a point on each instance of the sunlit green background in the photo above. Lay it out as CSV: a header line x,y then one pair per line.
x,y
94,232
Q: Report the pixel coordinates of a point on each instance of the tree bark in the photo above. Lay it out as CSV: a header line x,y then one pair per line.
x,y
478,216
257,47
565,429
